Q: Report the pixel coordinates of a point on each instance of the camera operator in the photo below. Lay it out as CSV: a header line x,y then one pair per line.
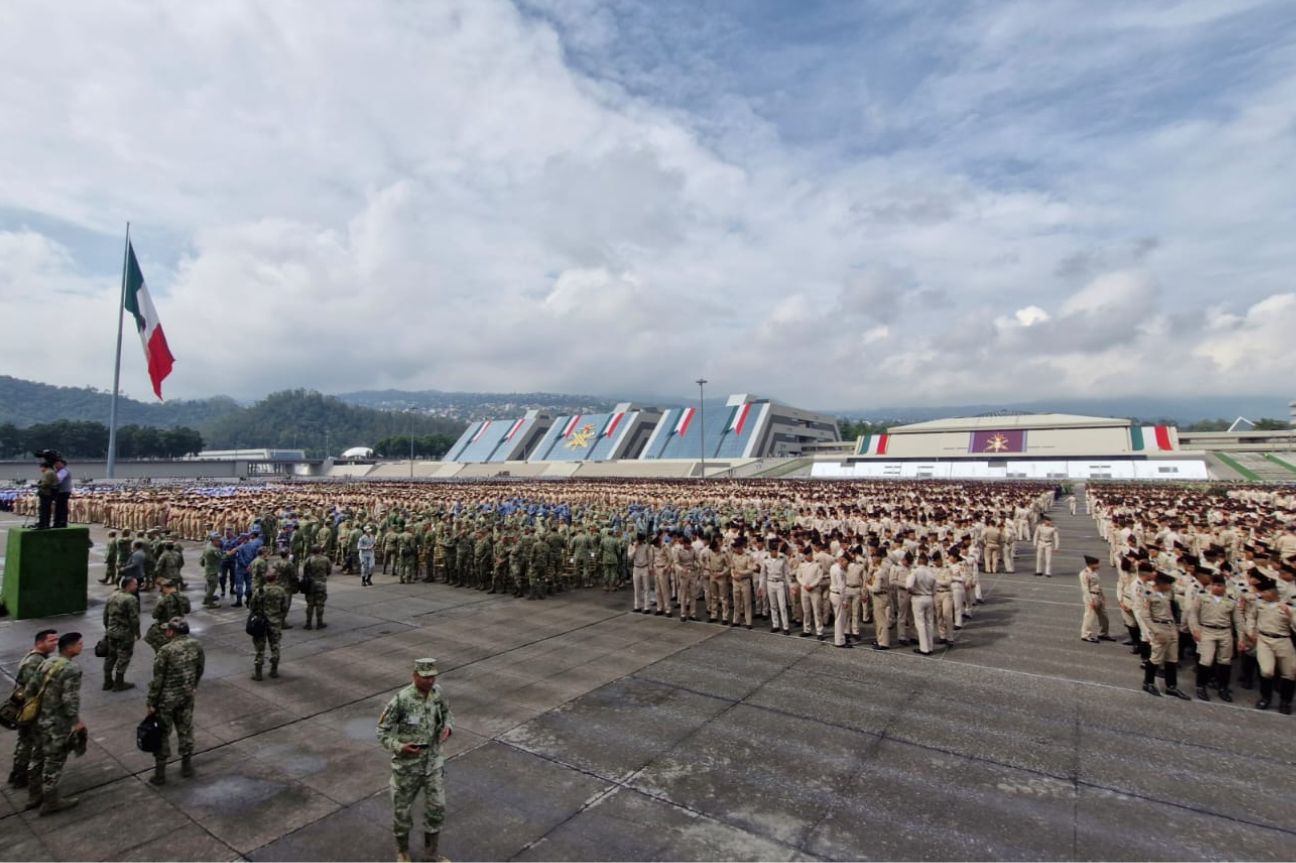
x,y
46,488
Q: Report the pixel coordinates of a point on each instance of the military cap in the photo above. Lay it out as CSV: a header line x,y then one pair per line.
x,y
1090,559
1162,578
425,667
179,624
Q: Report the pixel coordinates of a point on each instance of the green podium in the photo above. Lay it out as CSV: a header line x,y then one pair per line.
x,y
46,571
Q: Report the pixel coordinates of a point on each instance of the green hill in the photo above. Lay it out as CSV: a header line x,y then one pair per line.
x,y
25,403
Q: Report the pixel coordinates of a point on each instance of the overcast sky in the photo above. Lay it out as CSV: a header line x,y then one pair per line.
x,y
841,204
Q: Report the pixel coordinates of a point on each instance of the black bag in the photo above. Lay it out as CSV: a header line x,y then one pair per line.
x,y
101,648
257,626
148,734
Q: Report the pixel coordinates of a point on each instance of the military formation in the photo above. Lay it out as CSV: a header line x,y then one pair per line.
x,y
1204,581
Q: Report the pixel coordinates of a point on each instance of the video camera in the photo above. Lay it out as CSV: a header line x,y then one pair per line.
x,y
48,456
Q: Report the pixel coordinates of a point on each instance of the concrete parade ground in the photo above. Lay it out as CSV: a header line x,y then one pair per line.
x,y
585,732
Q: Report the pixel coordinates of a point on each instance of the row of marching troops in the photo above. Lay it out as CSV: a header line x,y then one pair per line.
x,y
1206,578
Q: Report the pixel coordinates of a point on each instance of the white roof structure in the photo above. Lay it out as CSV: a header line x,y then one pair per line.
x,y
358,452
1011,421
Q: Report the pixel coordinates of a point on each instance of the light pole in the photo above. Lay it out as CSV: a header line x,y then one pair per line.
x,y
701,382
411,440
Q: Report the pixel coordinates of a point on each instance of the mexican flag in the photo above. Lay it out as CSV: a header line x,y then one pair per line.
x,y
481,431
739,418
514,429
872,444
613,420
682,424
1150,437
571,426
140,304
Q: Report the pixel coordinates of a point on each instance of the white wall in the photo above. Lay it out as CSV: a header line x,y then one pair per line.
x,y
1086,469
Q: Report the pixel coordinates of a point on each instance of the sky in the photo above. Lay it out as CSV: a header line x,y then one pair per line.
x,y
839,204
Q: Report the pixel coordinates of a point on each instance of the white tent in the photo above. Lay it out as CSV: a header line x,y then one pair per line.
x,y
358,452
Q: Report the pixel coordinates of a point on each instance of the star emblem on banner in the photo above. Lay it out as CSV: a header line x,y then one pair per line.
x,y
581,439
997,443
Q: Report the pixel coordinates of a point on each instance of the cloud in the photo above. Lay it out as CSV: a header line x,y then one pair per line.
x,y
1008,202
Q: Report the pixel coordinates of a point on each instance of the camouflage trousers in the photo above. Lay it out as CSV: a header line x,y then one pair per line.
x,y
26,750
415,775
405,569
273,635
120,651
49,758
213,580
180,717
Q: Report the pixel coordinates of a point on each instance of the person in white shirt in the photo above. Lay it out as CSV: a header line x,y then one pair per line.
x,y
921,585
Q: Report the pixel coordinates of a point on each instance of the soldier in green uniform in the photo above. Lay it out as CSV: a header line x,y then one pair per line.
x,y
169,564
413,726
483,560
406,555
170,604
121,631
110,558
286,571
609,559
538,567
580,559
124,543
272,603
463,556
211,564
58,684
28,739
259,567
519,554
177,670
315,573
447,542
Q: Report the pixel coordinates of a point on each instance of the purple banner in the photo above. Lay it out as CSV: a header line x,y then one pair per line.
x,y
998,442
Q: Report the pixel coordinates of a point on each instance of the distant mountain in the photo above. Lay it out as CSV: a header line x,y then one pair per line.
x,y
467,407
1182,411
25,403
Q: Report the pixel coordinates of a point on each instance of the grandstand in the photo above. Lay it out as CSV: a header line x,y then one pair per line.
x,y
1019,445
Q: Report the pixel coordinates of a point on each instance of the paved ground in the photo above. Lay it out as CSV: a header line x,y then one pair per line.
x,y
585,733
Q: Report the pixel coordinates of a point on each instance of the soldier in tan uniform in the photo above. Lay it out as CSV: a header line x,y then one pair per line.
x,y
1215,622
1047,541
1162,635
1094,626
1270,628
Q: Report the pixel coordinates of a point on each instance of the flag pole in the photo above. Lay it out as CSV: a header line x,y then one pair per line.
x,y
112,414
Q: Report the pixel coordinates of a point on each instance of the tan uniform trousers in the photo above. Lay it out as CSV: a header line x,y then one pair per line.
x,y
904,614
854,609
721,596
811,605
688,588
1215,646
994,556
924,622
742,597
945,614
1164,638
1276,655
661,580
776,591
1044,558
838,603
1009,551
1095,617
881,602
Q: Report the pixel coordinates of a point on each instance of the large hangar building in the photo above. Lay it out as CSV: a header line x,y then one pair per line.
x,y
1020,446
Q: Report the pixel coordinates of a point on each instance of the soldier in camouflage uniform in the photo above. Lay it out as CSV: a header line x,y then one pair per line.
x,y
412,728
315,573
169,564
211,564
28,740
121,631
59,717
580,559
170,604
406,555
124,544
483,560
272,603
259,567
177,669
286,571
538,567
519,555
110,558
447,544
609,560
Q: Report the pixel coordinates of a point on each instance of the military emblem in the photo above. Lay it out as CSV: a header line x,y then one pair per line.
x,y
997,443
581,439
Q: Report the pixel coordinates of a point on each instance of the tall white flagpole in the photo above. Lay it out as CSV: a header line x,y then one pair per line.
x,y
121,312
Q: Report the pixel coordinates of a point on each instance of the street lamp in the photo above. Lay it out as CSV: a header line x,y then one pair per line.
x,y
411,442
701,382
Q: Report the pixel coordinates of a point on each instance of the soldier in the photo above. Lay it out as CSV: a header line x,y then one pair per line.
x,y
581,559
609,560
271,603
1047,541
775,567
121,630
365,549
742,566
1213,622
879,589
810,577
1094,626
110,558
28,739
259,567
1270,628
211,560
315,573
640,580
177,670
687,574
519,554
660,564
169,564
715,564
1159,628
286,571
170,604
921,587
992,536
412,727
58,685
124,548
406,555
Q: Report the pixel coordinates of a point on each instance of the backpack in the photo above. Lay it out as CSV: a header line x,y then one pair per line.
x,y
148,734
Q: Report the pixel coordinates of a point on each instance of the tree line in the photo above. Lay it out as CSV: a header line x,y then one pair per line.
x,y
427,446
80,439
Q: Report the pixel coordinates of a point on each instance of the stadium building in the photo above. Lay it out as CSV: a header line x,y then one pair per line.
x,y
635,440
1019,446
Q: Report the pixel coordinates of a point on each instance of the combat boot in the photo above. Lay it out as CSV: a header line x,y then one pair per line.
x,y
1286,688
256,673
310,616
109,665
159,772
1203,673
186,766
402,849
18,777
319,619
53,803
1266,693
430,842
274,668
120,684
35,795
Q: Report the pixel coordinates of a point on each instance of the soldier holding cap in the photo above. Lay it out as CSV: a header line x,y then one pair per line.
x,y
412,727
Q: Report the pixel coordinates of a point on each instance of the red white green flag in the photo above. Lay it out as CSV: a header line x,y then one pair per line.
x,y
685,418
613,420
872,444
571,426
140,304
739,418
1151,437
